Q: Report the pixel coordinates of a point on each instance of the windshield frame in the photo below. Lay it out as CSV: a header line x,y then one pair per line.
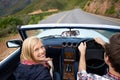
x,y
24,28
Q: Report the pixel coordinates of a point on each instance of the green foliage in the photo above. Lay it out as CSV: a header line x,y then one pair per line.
x,y
52,4
111,10
9,21
96,11
83,3
34,19
25,18
8,25
115,0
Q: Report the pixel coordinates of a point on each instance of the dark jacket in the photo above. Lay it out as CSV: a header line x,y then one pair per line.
x,y
32,72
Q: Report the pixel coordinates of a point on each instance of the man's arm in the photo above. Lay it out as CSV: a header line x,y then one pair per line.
x,y
100,41
82,62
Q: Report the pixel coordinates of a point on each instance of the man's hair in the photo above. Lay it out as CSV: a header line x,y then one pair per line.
x,y
113,52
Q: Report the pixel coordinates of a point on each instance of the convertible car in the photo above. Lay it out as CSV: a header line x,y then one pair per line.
x,y
61,42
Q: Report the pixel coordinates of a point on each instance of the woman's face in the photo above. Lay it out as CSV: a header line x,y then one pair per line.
x,y
39,52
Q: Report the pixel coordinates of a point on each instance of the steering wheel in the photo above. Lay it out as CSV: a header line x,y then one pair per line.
x,y
94,54
95,63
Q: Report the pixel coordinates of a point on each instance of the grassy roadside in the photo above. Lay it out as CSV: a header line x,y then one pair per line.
x,y
9,30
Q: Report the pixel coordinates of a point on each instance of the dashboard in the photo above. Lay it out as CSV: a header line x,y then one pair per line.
x,y
66,54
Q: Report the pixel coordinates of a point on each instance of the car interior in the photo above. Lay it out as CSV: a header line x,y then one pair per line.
x,y
65,55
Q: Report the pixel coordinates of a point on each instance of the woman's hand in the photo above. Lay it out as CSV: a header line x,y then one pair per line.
x,y
48,59
45,60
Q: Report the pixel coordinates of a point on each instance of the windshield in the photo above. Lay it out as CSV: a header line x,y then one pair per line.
x,y
74,33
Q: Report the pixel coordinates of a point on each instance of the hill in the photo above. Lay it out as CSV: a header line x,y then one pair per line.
x,y
8,7
102,7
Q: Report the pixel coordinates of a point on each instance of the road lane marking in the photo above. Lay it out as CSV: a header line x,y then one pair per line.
x,y
59,20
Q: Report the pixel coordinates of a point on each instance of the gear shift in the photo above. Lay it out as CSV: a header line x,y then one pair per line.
x,y
68,68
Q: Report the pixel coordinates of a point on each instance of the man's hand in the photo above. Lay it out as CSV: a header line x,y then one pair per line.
x,y
82,48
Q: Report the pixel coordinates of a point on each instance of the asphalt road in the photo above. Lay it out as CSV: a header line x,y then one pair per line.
x,y
81,17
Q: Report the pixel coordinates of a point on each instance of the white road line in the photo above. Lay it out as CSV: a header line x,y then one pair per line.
x,y
59,20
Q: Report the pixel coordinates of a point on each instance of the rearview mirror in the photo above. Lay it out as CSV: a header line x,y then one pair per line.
x,y
14,43
70,33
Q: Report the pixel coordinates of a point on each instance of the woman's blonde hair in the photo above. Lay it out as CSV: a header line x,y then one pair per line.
x,y
27,48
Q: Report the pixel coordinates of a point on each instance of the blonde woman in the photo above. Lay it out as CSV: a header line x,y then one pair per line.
x,y
34,65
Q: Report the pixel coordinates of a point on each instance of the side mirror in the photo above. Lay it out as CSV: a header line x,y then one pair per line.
x,y
14,43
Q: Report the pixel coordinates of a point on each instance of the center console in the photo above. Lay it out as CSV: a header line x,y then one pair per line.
x,y
69,57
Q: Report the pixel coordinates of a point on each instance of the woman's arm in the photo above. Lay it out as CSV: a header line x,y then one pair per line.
x,y
52,67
